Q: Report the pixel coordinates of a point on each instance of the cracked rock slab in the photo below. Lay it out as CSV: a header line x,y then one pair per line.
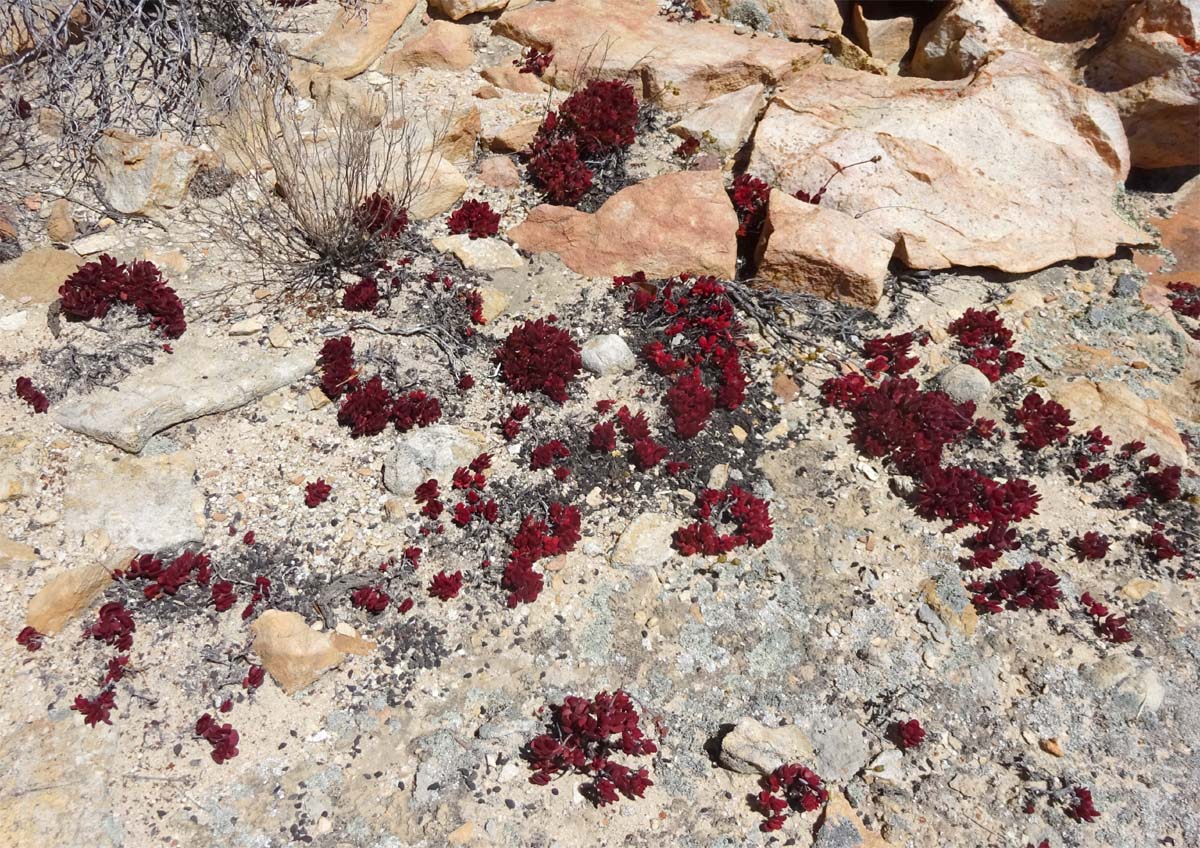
x,y
200,378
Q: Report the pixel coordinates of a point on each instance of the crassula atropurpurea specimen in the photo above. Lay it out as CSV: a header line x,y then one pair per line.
x,y
97,287
537,539
368,407
1106,624
380,216
1185,303
26,391
316,493
791,786
583,736
222,737
538,356
907,734
474,218
987,343
1033,586
748,515
749,195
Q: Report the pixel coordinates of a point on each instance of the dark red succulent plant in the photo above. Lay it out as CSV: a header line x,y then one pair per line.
x,y
791,786
475,218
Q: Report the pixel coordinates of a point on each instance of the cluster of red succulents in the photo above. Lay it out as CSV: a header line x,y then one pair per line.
x,y
222,595
114,626
749,515
472,481
791,786
30,639
475,218
535,540
1031,586
367,408
646,452
316,493
1082,808
510,427
363,296
705,341
533,61
167,579
1106,624
26,391
1161,547
597,121
1091,545
987,545
1087,448
254,678
687,148
428,495
222,737
445,586
907,734
262,592
749,195
380,216
97,709
1044,422
891,354
583,736
538,356
98,286
964,496
987,342
547,454
1185,302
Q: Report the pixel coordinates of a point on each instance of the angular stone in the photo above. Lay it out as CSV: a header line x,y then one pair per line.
x,y
810,248
1014,168
512,137
434,451
148,503
37,274
646,542
607,354
724,123
1066,20
509,76
1124,416
294,654
200,378
68,594
499,172
884,38
60,226
675,223
681,66
351,44
441,46
456,9
146,176
438,187
753,748
486,254
14,552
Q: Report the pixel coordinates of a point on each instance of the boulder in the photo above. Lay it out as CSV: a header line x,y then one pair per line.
x,y
809,248
438,185
145,176
509,76
884,38
1014,168
37,274
752,748
352,43
724,123
294,654
646,542
201,377
457,9
148,503
1151,72
670,224
1124,416
68,594
442,46
682,66
1066,20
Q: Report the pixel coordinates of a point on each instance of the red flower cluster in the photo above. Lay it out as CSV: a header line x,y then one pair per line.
x,y
316,493
370,598
1044,422
533,61
28,393
749,195
222,737
1107,626
1082,809
988,343
908,734
96,709
1029,587
647,453
1091,545
535,540
583,736
537,356
789,786
113,626
748,514
445,586
475,218
594,122
363,296
98,286
380,216
30,639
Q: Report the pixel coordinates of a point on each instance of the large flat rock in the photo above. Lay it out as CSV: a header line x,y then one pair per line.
x,y
1014,168
682,65
201,378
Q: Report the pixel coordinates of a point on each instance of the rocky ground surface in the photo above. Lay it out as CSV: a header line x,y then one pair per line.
x,y
1028,157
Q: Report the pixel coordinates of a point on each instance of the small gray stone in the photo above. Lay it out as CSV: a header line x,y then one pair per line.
x,y
841,749
964,383
434,451
752,748
888,766
607,354
646,542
